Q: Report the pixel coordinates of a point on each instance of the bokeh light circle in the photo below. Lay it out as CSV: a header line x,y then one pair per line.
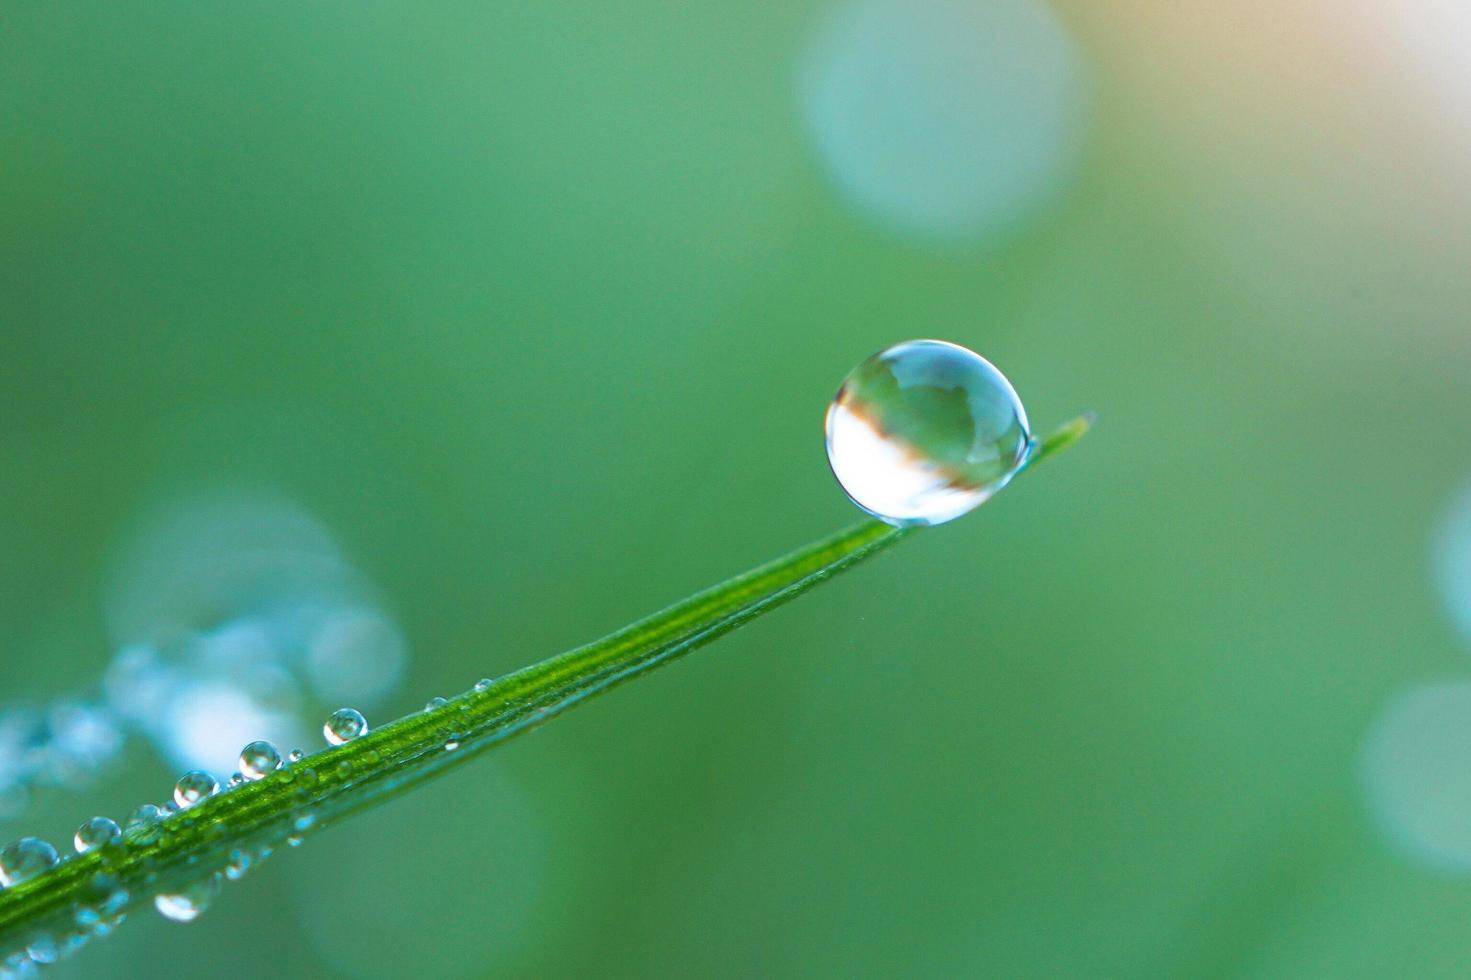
x,y
945,119
1451,560
1416,774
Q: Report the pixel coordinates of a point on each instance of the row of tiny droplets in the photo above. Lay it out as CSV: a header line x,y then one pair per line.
x,y
30,856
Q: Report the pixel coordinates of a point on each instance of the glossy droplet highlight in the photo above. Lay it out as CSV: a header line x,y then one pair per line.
x,y
194,786
259,759
344,725
189,902
94,833
924,432
483,684
24,859
433,703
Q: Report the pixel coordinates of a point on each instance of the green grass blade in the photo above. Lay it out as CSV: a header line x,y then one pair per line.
x,y
325,787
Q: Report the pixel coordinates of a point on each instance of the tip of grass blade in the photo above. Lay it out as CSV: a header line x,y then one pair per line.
x,y
1063,436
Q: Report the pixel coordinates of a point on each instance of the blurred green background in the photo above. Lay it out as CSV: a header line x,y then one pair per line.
x,y
537,307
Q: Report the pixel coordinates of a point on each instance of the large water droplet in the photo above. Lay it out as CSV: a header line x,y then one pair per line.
x,y
189,902
194,786
925,431
95,833
24,859
344,725
258,759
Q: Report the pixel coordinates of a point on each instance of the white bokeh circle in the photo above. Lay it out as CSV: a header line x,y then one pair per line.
x,y
945,119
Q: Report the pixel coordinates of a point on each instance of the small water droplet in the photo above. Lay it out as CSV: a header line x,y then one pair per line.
x,y
483,683
925,431
433,703
72,941
42,949
94,833
305,822
194,786
116,901
258,759
451,744
344,725
294,840
236,779
237,865
24,859
109,924
189,902
296,755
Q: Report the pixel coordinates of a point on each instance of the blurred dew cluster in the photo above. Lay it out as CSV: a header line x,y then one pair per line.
x,y
62,744
234,617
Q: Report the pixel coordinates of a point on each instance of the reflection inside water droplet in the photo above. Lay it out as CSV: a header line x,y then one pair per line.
x,y
924,432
